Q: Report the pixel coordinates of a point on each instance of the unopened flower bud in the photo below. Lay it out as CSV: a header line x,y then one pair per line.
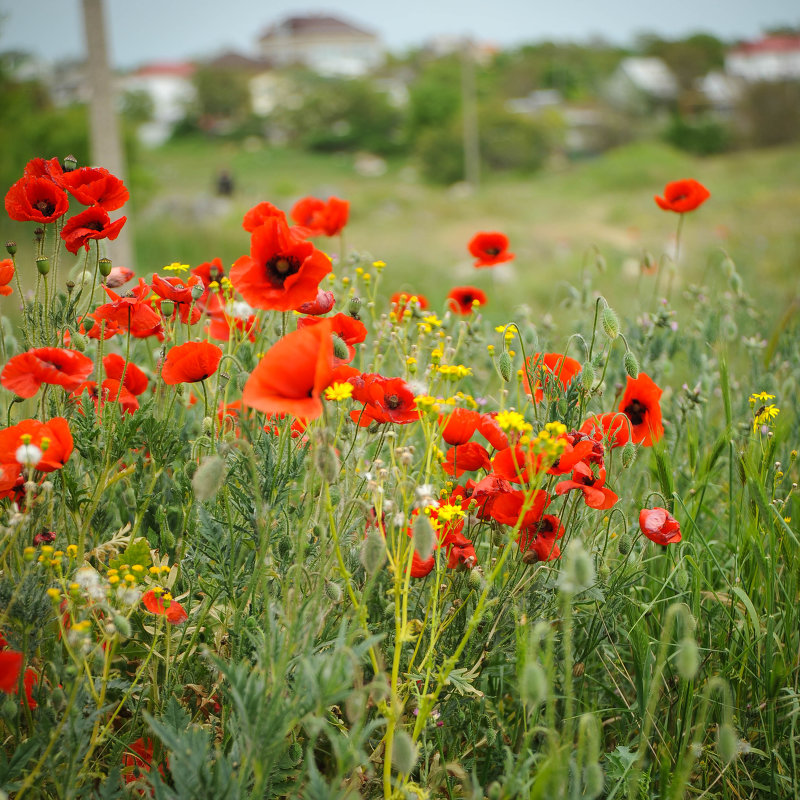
x,y
373,551
404,753
624,544
43,265
70,286
326,462
610,323
423,536
727,742
533,684
339,347
334,591
629,452
631,364
222,379
70,163
578,571
688,658
681,579
11,247
209,477
593,780
78,342
122,625
587,375
505,366
105,266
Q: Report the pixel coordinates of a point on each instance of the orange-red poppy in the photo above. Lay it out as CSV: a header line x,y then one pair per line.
x,y
595,493
466,457
611,427
459,425
220,327
173,611
658,525
404,300
174,288
490,248
683,196
491,431
6,274
26,372
539,539
385,400
321,218
95,186
190,363
350,330
546,369
118,276
282,271
640,404
36,199
94,223
10,668
321,304
53,438
131,310
135,380
465,299
258,215
293,374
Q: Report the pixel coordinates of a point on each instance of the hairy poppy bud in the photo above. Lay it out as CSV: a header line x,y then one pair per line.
x,y
222,379
105,266
423,536
78,342
476,578
504,366
209,477
339,347
326,462
587,376
610,323
122,625
404,753
631,364
70,163
11,248
624,544
593,780
727,742
578,571
681,579
373,551
533,684
629,452
43,265
295,752
334,591
688,658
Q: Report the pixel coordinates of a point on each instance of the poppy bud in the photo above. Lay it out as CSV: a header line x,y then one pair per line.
x,y
423,536
354,306
727,742
610,323
122,625
11,248
628,454
491,734
505,366
404,753
70,286
681,579
9,710
476,579
70,163
631,364
533,684
624,544
295,752
688,658
578,571
167,538
339,347
373,551
593,780
334,591
209,477
43,265
495,791
222,379
326,462
587,376
105,265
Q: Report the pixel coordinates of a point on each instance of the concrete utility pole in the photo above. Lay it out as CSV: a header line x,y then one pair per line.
x,y
469,116
104,130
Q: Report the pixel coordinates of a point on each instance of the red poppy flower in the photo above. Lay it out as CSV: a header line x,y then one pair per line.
x,y
293,374
190,363
174,611
33,199
459,550
131,309
174,288
10,668
683,196
44,168
465,299
135,380
94,223
53,438
640,404
611,427
282,271
95,186
466,458
25,373
459,425
490,248
595,494
659,526
321,304
351,331
321,218
220,327
545,369
486,492
210,271
491,431
6,274
402,301
507,507
385,400
538,541
258,215
139,760
118,276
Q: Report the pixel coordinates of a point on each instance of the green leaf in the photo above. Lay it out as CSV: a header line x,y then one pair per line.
x,y
137,552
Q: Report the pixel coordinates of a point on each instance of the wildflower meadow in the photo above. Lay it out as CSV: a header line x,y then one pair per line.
x,y
282,528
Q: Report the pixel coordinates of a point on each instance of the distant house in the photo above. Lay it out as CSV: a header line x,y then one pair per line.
x,y
641,85
773,58
170,87
325,44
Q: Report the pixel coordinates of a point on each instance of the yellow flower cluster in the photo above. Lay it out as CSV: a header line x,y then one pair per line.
x,y
453,372
176,266
339,391
766,412
550,440
513,421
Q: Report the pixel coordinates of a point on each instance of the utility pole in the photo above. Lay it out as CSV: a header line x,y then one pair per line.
x,y
104,130
469,115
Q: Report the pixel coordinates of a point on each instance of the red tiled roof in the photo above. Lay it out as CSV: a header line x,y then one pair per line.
x,y
769,44
314,23
181,69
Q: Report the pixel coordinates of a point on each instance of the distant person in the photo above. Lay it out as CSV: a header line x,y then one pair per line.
x,y
224,184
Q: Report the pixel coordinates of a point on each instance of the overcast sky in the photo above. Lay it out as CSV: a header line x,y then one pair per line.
x,y
172,30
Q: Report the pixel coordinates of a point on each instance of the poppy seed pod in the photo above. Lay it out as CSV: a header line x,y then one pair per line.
x,y
70,163
197,291
11,248
354,306
43,265
105,266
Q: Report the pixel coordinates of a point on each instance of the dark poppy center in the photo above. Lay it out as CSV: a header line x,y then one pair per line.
x,y
393,401
280,267
635,412
492,251
94,226
45,206
544,526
